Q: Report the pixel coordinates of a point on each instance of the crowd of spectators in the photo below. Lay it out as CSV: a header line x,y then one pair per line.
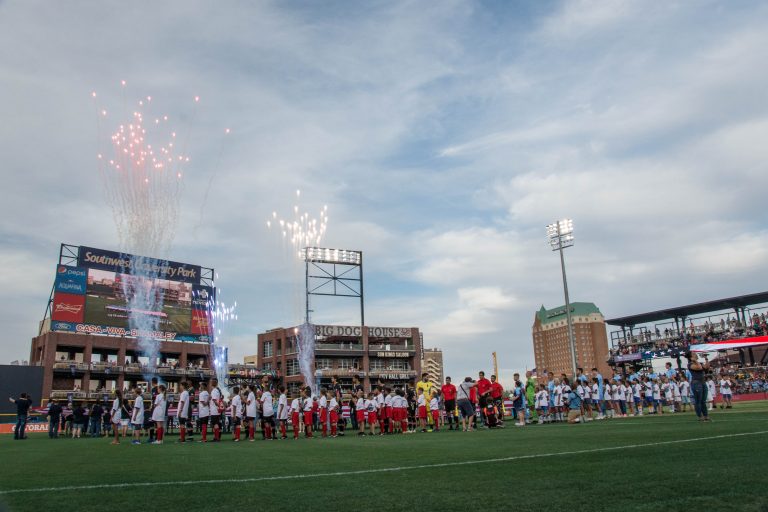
x,y
670,338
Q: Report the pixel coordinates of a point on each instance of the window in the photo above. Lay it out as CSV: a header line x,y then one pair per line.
x,y
349,364
267,349
377,364
292,367
401,364
267,366
322,364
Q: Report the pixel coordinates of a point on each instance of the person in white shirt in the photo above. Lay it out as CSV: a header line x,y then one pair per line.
x,y
217,408
322,411
711,392
435,411
137,416
204,412
158,414
370,408
307,409
115,413
542,404
296,417
676,396
236,413
360,412
333,411
685,393
267,414
390,425
658,409
282,411
182,412
250,411
378,395
726,391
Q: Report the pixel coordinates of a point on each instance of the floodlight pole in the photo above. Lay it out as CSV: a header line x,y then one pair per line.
x,y
571,341
306,283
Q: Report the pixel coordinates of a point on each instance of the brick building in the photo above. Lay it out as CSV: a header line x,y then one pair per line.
x,y
551,346
84,366
387,355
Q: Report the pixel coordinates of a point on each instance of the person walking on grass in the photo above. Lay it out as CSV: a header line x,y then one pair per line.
x,y
698,386
54,419
115,415
466,407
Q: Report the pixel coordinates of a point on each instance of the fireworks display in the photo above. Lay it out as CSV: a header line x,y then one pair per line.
x,y
301,230
142,167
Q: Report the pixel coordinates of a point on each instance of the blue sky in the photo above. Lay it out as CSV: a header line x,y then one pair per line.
x,y
442,136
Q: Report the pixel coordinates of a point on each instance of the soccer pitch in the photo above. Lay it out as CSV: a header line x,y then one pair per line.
x,y
665,463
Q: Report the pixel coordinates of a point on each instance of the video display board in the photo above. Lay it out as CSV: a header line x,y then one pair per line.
x,y
95,296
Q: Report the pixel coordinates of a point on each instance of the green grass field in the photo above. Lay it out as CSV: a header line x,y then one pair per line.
x,y
664,463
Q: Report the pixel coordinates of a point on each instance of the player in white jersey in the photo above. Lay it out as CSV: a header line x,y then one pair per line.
x,y
137,416
676,396
685,392
726,390
182,412
389,424
158,414
268,415
250,411
333,411
115,413
204,411
282,412
711,392
322,411
296,417
306,408
658,409
217,407
236,413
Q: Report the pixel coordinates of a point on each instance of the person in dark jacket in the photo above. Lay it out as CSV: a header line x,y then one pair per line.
x,y
22,410
54,419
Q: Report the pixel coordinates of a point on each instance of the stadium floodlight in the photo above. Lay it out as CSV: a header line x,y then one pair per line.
x,y
560,234
324,255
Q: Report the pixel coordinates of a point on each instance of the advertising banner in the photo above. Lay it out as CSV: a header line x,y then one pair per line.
x,y
68,307
70,280
128,263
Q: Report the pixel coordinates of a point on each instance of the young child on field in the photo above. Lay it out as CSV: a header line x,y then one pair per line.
x,y
434,409
333,411
370,407
542,404
421,403
295,417
360,413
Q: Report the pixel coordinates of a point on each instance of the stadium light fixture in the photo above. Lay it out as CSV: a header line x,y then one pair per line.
x,y
325,255
560,234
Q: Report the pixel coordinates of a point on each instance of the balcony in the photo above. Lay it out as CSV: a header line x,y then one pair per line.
x,y
106,368
340,372
70,366
339,349
63,394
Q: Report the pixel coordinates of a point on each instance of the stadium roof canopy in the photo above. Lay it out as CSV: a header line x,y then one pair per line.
x,y
712,306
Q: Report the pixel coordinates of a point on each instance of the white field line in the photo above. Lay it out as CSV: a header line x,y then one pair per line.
x,y
372,471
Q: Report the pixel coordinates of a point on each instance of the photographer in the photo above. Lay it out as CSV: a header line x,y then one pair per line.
x,y
698,386
22,409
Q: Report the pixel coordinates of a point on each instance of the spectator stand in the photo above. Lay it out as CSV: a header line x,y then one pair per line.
x,y
670,332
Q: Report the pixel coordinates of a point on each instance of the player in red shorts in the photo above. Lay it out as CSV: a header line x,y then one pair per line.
x,y
434,409
295,408
360,413
370,407
308,405
333,411
421,403
389,424
322,412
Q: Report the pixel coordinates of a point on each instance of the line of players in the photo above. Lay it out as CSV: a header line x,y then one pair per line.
x,y
384,408
620,397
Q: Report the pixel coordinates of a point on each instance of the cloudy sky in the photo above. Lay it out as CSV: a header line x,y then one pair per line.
x,y
443,136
